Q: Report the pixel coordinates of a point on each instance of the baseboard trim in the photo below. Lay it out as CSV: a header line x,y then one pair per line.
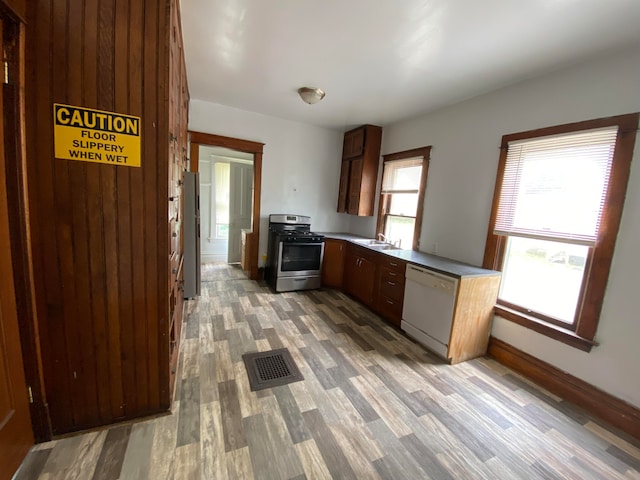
x,y
617,412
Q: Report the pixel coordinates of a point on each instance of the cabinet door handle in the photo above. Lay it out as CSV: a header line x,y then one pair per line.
x,y
391,274
393,264
392,283
389,302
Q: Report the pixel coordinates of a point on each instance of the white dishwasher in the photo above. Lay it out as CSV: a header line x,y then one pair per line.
x,y
427,311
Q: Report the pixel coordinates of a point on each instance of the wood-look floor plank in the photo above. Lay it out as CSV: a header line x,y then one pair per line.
x,y
33,464
208,381
212,451
234,437
312,461
261,451
373,404
187,462
397,460
190,366
385,404
425,457
359,402
239,464
287,461
249,404
334,458
137,457
224,366
189,413
61,458
109,463
291,414
162,462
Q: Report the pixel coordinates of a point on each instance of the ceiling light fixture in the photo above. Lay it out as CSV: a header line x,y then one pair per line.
x,y
311,95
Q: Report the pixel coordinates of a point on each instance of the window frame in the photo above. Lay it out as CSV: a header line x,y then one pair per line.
x,y
384,198
581,335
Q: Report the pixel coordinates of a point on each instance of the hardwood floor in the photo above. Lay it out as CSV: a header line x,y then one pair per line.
x,y
373,404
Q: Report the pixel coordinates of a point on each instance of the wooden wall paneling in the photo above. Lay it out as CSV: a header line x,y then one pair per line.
x,y
41,196
143,53
64,224
19,7
128,323
85,370
100,252
102,49
146,369
95,224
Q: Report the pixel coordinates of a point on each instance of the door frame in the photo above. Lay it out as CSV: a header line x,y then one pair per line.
x,y
17,198
207,139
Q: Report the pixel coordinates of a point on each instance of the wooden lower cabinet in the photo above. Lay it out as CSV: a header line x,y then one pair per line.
x,y
333,263
378,281
375,279
360,274
390,288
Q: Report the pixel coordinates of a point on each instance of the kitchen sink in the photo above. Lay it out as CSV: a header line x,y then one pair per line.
x,y
385,246
370,242
375,244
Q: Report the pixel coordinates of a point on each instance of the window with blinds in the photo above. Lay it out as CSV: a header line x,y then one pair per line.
x,y
556,212
400,192
554,188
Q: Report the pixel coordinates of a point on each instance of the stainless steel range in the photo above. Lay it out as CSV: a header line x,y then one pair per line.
x,y
294,257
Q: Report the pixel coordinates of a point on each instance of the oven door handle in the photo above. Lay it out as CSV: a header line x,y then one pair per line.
x,y
303,243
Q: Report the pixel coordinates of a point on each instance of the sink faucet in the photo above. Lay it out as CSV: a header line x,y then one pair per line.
x,y
381,236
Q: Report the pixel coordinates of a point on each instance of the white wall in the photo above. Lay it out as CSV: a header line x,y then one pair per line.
x,y
300,164
464,158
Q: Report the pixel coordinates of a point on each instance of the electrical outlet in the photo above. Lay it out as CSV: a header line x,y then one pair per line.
x,y
434,247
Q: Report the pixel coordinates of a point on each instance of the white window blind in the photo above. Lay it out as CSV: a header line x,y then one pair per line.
x,y
554,188
402,176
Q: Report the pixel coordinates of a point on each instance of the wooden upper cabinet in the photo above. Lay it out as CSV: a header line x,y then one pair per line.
x,y
353,145
359,170
344,186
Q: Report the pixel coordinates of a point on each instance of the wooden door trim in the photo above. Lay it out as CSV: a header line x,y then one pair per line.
x,y
247,146
18,425
18,195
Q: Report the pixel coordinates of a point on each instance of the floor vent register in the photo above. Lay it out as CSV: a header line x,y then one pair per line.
x,y
271,369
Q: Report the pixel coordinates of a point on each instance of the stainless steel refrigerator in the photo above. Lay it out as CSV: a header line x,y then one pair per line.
x,y
191,234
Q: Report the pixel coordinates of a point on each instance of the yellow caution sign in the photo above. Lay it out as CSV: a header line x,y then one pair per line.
x,y
96,136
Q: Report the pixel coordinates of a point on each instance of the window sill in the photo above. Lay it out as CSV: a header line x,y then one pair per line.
x,y
568,337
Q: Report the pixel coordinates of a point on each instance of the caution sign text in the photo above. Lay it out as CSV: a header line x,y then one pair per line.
x,y
96,136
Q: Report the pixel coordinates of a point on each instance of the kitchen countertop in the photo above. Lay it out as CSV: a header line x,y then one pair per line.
x,y
427,260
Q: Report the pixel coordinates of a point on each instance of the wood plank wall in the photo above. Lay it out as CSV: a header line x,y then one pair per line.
x,y
18,7
99,232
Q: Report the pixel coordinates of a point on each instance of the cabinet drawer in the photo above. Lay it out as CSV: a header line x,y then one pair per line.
x,y
389,275
392,290
390,308
393,264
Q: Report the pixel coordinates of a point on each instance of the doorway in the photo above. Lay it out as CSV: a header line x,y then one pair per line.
x,y
226,202
231,226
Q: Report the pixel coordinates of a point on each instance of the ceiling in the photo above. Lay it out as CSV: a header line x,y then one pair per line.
x,y
381,61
